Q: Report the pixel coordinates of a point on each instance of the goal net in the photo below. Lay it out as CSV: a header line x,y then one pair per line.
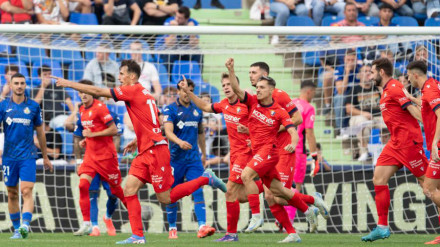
x,y
337,64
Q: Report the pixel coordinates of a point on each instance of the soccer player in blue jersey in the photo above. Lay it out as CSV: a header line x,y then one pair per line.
x,y
183,127
21,116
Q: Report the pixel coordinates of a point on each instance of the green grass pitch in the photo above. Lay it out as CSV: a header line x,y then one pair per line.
x,y
190,239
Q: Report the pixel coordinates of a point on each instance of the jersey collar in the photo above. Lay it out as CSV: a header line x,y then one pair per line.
x,y
24,101
90,105
178,103
386,84
273,101
233,103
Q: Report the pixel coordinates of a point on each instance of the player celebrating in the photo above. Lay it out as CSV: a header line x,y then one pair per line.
x,y
20,116
152,165
100,156
234,113
405,148
183,127
430,104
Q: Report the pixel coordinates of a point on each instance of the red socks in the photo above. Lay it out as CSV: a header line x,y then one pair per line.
x,y
281,215
84,198
187,188
260,186
382,199
306,198
298,203
134,215
254,203
119,193
233,212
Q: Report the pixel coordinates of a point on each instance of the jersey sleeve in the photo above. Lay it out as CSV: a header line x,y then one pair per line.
x,y
123,93
399,96
105,116
168,115
38,118
309,121
78,128
433,97
285,119
217,107
286,102
249,99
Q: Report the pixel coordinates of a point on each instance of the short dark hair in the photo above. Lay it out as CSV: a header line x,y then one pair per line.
x,y
11,67
189,82
385,64
351,52
226,76
307,84
185,11
44,68
269,80
262,65
18,75
386,6
418,65
348,4
132,66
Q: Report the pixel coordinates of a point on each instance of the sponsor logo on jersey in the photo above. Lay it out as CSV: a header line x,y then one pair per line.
x,y
26,110
23,121
262,118
182,124
87,123
230,118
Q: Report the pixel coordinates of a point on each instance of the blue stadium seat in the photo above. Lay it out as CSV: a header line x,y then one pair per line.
x,y
74,95
76,71
300,21
329,20
125,45
54,65
30,54
206,4
66,56
92,45
211,90
311,58
369,20
83,19
164,77
190,69
67,141
432,22
118,109
21,68
405,21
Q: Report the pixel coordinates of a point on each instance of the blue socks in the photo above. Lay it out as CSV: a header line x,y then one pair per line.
x,y
94,195
199,206
27,218
15,218
172,214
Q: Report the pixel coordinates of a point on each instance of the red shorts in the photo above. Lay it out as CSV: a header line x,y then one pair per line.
x,y
433,170
412,158
264,163
108,169
153,166
286,169
238,163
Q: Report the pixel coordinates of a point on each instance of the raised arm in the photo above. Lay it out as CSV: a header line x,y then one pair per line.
x,y
87,89
234,83
203,105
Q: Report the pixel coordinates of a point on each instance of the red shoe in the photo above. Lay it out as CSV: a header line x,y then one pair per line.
x,y
435,241
111,231
205,231
95,232
173,234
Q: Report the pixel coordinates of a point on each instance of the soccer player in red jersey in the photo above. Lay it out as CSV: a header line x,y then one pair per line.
x,y
234,113
286,163
405,148
152,165
265,119
430,103
100,156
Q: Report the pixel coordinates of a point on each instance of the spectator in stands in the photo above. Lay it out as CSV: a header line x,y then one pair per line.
x,y
54,143
51,11
351,15
149,76
345,78
168,97
363,105
327,6
282,9
102,70
390,56
16,11
368,7
400,7
156,11
117,12
214,3
433,8
421,54
10,70
51,99
80,6
385,15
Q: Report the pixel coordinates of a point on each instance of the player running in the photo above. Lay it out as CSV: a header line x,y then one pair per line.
x,y
182,122
405,148
430,103
21,116
265,120
100,156
152,165
234,113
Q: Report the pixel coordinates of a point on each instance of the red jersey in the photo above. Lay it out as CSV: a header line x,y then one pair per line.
x,y
283,99
430,103
234,114
10,18
143,112
264,122
404,128
97,118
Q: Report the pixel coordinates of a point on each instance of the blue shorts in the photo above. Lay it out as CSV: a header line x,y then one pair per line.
x,y
190,171
96,182
13,170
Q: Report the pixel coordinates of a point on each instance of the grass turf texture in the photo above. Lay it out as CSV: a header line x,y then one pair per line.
x,y
190,239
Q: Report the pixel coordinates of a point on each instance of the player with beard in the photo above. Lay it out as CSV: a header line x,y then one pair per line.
x,y
405,148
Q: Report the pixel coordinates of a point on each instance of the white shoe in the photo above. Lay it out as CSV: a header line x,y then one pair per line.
x,y
364,157
312,218
291,238
320,204
275,40
84,230
255,223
